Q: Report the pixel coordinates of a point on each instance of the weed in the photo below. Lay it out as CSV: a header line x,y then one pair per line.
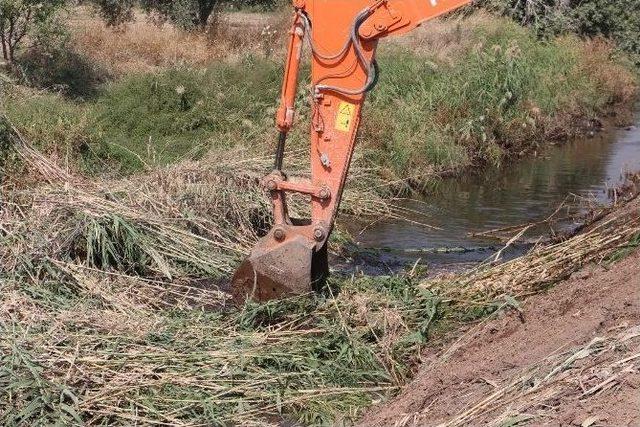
x,y
626,250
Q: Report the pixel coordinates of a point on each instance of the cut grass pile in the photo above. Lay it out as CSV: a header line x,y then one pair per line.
x,y
605,242
123,274
110,313
178,221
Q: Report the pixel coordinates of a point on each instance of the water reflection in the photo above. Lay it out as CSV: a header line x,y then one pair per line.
x,y
529,191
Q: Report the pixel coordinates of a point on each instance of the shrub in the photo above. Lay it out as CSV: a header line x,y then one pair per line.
x,y
21,20
619,20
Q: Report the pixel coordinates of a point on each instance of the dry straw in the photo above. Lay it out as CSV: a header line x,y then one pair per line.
x,y
111,313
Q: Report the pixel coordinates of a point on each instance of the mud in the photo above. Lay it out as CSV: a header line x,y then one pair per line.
x,y
570,357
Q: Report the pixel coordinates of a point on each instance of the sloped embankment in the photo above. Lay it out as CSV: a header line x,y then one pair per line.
x,y
566,357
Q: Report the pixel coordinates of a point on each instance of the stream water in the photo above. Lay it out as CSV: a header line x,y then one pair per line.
x,y
525,192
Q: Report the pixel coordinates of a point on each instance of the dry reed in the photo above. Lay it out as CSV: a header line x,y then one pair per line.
x,y
145,45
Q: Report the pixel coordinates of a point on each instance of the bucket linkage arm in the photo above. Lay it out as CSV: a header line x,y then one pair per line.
x,y
343,35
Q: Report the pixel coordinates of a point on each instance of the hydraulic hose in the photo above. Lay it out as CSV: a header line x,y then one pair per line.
x,y
354,39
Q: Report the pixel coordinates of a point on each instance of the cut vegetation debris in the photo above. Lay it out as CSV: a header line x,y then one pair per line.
x,y
191,218
110,313
568,356
606,240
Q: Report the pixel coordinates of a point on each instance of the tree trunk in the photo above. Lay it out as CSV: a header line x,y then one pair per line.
x,y
11,51
5,53
3,38
205,8
529,11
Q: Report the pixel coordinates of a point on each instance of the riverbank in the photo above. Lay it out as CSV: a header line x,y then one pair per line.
x,y
460,94
110,311
566,356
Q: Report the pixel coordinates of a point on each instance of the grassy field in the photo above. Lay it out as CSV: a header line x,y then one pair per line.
x,y
130,193
483,91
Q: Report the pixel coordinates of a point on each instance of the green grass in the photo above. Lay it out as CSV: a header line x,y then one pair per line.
x,y
426,116
182,111
481,110
316,361
626,250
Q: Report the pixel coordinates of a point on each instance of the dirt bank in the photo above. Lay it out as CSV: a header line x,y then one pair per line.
x,y
570,357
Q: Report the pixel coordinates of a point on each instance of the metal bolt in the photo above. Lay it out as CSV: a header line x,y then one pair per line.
x,y
272,185
279,234
318,234
380,26
324,159
324,193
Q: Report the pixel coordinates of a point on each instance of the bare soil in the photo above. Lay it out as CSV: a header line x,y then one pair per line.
x,y
570,357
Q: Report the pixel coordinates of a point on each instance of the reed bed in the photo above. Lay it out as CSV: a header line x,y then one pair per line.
x,y
615,233
113,310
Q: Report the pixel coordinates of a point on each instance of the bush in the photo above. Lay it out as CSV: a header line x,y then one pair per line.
x,y
32,20
619,20
63,70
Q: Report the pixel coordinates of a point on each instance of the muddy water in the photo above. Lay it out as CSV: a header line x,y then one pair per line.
x,y
526,192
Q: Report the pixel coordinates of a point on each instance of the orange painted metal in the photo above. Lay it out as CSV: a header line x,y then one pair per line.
x,y
286,112
343,37
401,16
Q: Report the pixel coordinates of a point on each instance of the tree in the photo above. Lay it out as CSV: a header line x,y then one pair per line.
x,y
618,20
115,12
186,14
25,19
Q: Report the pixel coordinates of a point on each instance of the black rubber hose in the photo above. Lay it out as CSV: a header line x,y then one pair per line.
x,y
376,76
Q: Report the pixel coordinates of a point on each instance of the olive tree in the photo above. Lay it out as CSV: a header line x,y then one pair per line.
x,y
186,14
618,20
115,12
22,20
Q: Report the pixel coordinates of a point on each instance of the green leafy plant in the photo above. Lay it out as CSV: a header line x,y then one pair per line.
x,y
618,20
22,20
186,14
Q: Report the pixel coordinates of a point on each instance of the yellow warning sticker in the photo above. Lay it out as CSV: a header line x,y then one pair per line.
x,y
346,115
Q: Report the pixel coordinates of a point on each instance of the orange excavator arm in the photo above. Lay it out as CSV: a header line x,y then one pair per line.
x,y
342,36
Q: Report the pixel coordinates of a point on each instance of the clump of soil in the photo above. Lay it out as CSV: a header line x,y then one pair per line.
x,y
568,357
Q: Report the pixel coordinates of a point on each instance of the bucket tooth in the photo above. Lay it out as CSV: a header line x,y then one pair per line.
x,y
278,270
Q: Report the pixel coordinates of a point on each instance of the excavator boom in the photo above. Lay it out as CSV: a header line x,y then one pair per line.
x,y
342,37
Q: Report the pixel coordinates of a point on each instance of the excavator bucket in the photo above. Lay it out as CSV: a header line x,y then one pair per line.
x,y
275,271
